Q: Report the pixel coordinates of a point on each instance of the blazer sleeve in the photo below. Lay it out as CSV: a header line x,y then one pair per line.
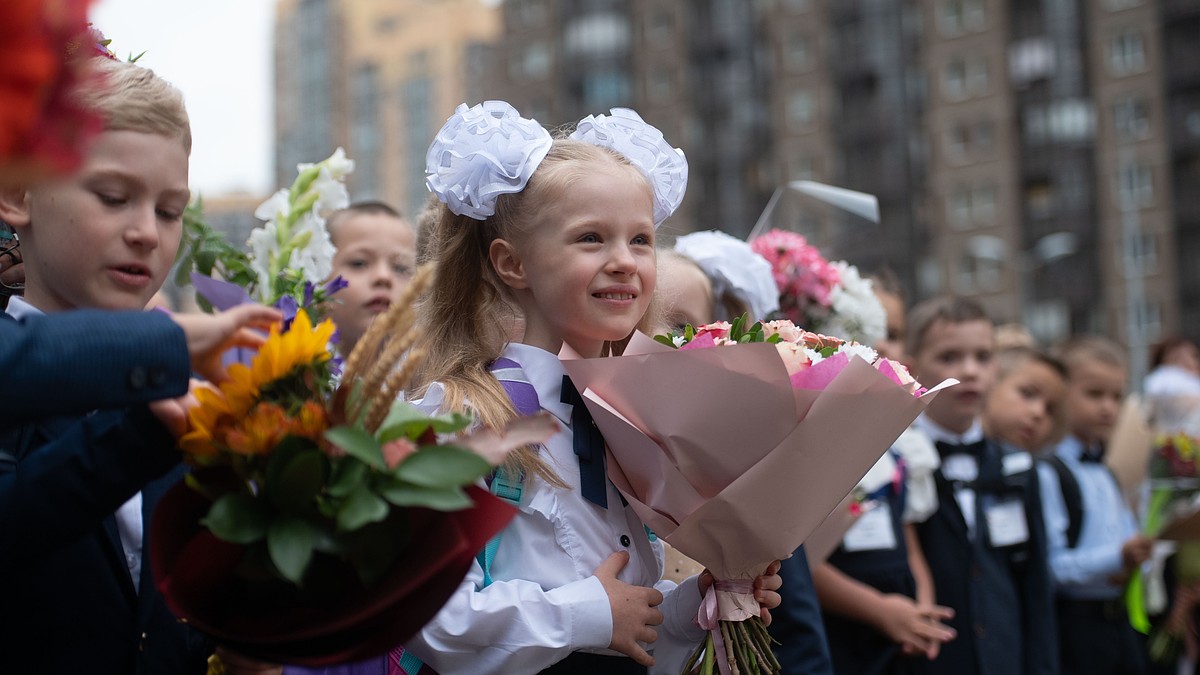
x,y
59,490
797,622
1041,630
74,362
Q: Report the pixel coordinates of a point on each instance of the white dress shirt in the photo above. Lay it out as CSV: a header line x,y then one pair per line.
x,y
963,468
129,516
544,601
1083,572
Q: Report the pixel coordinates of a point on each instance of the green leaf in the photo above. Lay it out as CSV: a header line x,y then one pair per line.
x,y
666,340
361,508
440,499
405,420
347,476
290,543
298,482
238,518
357,443
688,333
442,466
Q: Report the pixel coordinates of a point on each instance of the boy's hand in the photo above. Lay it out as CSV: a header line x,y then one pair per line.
x,y
633,610
172,412
208,336
1136,551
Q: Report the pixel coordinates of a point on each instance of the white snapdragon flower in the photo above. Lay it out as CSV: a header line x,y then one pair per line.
x,y
331,193
263,245
315,258
275,207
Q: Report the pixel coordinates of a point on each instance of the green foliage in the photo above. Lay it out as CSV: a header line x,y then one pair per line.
x,y
207,252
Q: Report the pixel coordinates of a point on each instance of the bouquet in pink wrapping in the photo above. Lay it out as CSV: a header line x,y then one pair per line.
x,y
735,443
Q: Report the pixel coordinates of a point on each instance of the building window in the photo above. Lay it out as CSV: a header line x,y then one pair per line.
x,y
1135,186
1131,118
1146,320
956,17
1118,5
605,89
1127,52
801,109
965,78
979,274
1040,200
798,53
1140,254
970,207
969,141
532,63
801,167
957,141
660,87
597,36
660,27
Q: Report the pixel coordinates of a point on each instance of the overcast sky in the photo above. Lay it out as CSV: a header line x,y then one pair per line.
x,y
219,53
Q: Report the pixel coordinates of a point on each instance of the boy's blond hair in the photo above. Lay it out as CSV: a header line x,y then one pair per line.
x,y
1090,349
948,309
133,98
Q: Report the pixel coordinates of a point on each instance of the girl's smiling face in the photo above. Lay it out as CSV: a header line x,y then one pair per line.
x,y
585,269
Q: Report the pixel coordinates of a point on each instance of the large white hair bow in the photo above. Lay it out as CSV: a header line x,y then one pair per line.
x,y
644,146
481,153
734,268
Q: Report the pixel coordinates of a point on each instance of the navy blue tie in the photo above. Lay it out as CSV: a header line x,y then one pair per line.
x,y
589,447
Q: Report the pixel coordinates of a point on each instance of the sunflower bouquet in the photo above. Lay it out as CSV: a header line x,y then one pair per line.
x,y
321,522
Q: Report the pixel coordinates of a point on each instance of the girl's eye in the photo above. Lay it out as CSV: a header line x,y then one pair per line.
x,y
402,270
357,264
110,200
641,240
166,214
590,238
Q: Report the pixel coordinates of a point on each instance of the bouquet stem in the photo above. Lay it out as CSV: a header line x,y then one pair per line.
x,y
735,648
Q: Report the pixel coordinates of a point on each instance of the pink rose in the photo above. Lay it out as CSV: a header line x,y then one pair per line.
x,y
794,357
720,329
786,330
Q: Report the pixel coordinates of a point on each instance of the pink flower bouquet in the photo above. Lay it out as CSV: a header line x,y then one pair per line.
x,y
735,455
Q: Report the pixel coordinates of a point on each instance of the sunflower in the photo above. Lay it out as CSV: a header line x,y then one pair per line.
x,y
211,413
301,345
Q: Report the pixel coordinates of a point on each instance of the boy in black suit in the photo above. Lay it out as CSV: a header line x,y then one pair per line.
x,y
985,543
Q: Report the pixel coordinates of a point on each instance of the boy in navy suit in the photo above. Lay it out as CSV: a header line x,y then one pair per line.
x,y
1092,533
985,544
79,491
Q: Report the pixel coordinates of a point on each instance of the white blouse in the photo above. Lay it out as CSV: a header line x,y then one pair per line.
x,y
544,601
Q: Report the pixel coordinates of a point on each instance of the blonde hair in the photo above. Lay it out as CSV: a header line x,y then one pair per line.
x,y
133,98
1090,349
464,316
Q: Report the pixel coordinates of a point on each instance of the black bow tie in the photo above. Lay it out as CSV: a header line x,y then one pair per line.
x,y
976,449
1092,455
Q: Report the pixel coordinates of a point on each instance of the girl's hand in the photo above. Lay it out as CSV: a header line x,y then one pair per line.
x,y
633,610
766,589
918,629
208,336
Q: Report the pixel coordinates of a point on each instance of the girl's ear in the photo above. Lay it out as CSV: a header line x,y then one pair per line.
x,y
507,263
14,205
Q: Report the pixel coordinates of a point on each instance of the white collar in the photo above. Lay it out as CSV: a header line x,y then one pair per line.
x,y
937,432
545,373
19,308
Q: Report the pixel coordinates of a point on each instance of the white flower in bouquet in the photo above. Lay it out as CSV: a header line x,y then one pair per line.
x,y
856,312
294,238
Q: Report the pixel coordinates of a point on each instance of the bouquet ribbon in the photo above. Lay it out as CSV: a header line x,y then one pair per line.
x,y
726,600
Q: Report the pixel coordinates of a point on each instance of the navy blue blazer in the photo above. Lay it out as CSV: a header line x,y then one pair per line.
x,y
73,362
797,623
69,603
1002,598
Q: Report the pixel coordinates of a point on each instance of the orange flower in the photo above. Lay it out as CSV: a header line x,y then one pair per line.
x,y
310,422
260,431
205,421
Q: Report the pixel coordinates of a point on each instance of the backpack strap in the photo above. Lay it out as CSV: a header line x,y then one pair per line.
x,y
1072,498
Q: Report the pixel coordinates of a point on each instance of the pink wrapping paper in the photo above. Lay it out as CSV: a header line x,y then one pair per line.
x,y
720,456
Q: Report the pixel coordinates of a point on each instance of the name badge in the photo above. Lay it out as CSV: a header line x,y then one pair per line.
x,y
1006,523
961,468
872,531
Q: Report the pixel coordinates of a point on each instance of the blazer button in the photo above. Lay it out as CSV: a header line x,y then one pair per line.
x,y
625,540
979,630
137,377
142,643
158,376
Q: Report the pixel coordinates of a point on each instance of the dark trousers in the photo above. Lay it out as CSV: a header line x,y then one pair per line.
x,y
1095,638
584,663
